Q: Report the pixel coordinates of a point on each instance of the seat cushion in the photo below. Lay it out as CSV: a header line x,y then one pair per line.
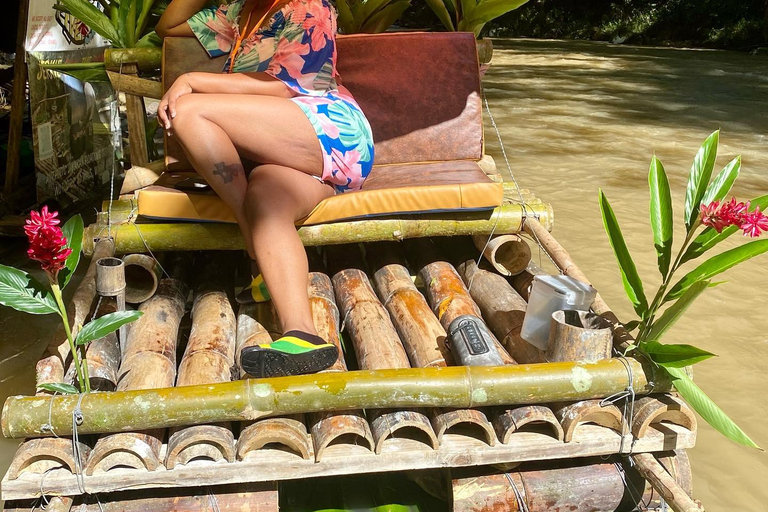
x,y
425,187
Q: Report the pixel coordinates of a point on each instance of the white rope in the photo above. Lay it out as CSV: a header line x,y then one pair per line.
x,y
77,419
522,506
627,417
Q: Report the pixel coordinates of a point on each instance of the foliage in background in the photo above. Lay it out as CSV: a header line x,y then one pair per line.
x,y
712,23
126,23
703,206
471,15
58,251
368,16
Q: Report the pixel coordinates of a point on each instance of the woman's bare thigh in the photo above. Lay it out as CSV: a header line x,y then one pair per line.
x,y
264,129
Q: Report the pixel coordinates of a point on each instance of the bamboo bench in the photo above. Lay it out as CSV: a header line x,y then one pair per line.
x,y
430,179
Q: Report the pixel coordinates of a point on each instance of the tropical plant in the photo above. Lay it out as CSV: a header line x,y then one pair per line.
x,y
126,23
369,16
58,251
471,15
704,207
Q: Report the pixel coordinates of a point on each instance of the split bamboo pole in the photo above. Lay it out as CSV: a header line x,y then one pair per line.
x,y
507,218
290,432
50,369
149,362
327,427
375,341
458,386
208,359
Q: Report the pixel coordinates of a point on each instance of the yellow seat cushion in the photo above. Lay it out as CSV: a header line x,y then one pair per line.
x,y
424,187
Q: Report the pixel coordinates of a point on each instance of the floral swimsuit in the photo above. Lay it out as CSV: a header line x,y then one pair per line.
x,y
298,47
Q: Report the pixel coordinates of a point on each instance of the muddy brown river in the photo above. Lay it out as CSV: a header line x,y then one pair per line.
x,y
578,116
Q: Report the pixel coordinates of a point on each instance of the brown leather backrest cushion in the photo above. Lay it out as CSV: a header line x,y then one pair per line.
x,y
420,91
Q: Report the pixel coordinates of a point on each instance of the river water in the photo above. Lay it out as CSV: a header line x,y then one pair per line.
x,y
578,116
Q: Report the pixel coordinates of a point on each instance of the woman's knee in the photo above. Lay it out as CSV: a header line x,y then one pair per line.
x,y
271,195
188,115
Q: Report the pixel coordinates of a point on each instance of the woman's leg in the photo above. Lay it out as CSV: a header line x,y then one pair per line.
x,y
216,130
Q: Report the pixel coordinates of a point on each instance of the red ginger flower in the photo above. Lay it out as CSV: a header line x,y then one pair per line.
x,y
719,216
754,223
46,241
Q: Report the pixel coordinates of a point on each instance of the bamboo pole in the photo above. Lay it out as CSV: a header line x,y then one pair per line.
x,y
663,482
522,282
137,121
149,362
208,359
55,504
18,101
508,254
102,355
132,84
213,236
147,59
50,369
458,386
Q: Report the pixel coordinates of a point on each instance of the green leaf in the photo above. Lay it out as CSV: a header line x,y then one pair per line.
x,y
93,18
710,237
675,311
441,10
676,356
698,179
104,325
126,25
485,11
73,232
631,326
150,40
708,409
23,292
346,20
721,185
144,10
59,387
384,19
632,283
716,265
661,214
94,75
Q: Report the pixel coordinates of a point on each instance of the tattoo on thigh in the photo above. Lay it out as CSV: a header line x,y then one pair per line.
x,y
227,172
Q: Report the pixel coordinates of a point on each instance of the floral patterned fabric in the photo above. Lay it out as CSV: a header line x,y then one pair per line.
x,y
298,47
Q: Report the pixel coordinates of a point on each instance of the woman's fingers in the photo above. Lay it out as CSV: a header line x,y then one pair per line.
x,y
161,114
172,106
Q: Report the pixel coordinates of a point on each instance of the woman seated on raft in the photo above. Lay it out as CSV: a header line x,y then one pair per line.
x,y
277,104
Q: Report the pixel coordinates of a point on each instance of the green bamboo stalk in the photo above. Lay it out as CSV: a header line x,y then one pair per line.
x,y
243,400
146,59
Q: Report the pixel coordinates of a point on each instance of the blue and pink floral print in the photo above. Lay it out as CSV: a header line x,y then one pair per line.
x,y
298,47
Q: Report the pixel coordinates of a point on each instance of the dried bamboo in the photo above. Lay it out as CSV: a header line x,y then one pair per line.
x,y
508,254
522,282
503,308
149,362
458,386
288,432
50,369
445,291
572,415
55,504
665,484
421,333
579,336
652,410
540,417
376,344
142,274
131,84
208,359
507,218
591,486
138,176
103,355
147,59
325,315
37,456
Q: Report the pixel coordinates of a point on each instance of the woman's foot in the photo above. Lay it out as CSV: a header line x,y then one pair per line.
x,y
295,353
255,292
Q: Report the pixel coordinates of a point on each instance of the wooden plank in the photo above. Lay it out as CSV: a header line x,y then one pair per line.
x,y
397,455
137,122
17,102
132,84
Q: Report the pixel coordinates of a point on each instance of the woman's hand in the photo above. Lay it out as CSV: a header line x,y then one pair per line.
x,y
167,108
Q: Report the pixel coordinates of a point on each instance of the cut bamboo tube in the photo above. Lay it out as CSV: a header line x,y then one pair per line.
x,y
508,254
208,359
376,345
663,482
288,432
539,417
458,386
258,497
579,336
330,427
572,415
50,369
503,308
422,335
522,282
103,355
593,485
118,59
142,275
140,176
653,410
507,218
149,362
